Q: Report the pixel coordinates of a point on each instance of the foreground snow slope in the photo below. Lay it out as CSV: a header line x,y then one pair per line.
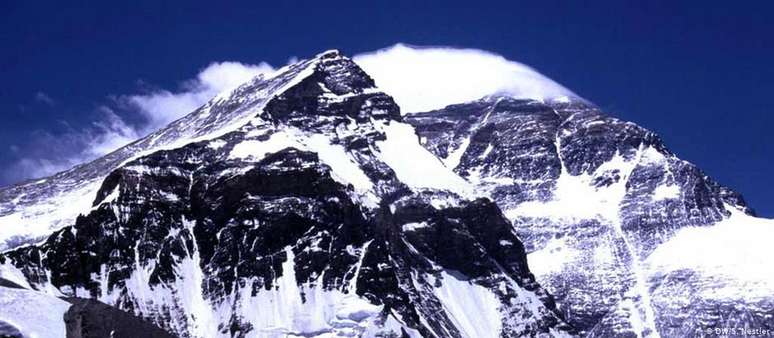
x,y
31,313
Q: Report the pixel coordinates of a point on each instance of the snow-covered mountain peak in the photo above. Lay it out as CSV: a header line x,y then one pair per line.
x,y
33,209
306,193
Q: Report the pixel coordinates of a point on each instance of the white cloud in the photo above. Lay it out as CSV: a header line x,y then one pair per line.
x,y
418,78
163,106
426,78
44,98
47,153
108,135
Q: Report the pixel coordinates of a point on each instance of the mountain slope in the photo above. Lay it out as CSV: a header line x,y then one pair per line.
x,y
30,211
297,216
603,208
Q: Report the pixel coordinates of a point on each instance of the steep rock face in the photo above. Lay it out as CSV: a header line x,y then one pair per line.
x,y
305,220
592,197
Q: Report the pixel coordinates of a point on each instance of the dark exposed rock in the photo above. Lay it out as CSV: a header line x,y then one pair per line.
x,y
88,318
9,331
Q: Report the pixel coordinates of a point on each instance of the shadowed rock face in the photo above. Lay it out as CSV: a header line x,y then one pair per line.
x,y
88,318
294,223
591,197
9,331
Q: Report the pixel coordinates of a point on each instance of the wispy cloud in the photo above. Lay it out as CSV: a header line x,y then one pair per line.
x,y
426,78
161,107
44,98
46,153
418,78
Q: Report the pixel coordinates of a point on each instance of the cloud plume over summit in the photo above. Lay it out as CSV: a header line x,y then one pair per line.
x,y
419,78
426,78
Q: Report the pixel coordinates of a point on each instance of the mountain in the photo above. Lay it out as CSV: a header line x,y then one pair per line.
x,y
30,211
304,204
288,208
630,239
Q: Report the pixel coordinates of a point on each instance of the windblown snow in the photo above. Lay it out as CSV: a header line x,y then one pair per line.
x,y
71,193
427,78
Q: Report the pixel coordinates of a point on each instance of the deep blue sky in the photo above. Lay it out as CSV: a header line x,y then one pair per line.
x,y
698,73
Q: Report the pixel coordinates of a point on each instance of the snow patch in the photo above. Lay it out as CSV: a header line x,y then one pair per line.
x,y
576,198
414,165
551,258
256,150
651,156
216,144
110,197
735,253
35,314
461,298
342,164
9,272
665,192
344,169
414,226
454,158
50,214
486,152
